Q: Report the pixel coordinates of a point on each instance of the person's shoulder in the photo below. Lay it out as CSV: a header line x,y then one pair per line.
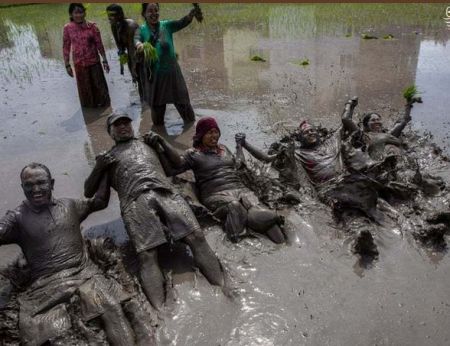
x,y
69,25
132,23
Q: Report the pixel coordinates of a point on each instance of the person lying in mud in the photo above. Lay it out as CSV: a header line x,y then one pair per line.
x,y
48,231
162,79
219,184
123,32
374,138
153,213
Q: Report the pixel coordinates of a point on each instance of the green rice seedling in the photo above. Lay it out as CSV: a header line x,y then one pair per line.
x,y
123,59
257,58
150,53
411,93
368,37
388,37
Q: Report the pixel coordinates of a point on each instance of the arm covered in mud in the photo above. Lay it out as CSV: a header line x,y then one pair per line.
x,y
98,175
254,151
173,163
400,125
8,228
347,116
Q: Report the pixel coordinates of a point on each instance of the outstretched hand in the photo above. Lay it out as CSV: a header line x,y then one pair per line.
x,y
152,139
240,138
104,160
353,102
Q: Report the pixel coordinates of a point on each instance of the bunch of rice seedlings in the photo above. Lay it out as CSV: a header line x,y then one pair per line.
x,y
388,37
257,58
410,93
123,59
198,12
150,53
368,37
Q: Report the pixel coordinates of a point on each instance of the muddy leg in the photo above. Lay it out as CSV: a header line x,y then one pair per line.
x,y
140,321
266,221
234,217
152,278
117,328
205,258
186,112
158,112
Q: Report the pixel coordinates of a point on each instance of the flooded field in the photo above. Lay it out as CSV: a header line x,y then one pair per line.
x,y
310,292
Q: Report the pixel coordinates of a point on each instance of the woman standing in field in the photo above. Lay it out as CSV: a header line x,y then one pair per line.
x,y
161,77
83,38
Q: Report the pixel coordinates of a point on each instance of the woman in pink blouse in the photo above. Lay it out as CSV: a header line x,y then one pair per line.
x,y
83,38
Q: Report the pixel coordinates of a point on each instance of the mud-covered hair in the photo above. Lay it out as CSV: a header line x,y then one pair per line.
x,y
145,5
366,119
116,8
73,6
34,165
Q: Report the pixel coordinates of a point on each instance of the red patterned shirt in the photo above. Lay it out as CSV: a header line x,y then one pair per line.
x,y
85,41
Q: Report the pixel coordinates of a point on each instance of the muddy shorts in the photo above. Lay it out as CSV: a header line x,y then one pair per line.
x,y
43,307
157,217
219,199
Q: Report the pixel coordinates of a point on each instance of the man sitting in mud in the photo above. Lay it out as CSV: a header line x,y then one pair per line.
x,y
219,185
48,231
153,213
123,32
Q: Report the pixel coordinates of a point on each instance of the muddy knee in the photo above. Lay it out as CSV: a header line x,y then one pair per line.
x,y
262,219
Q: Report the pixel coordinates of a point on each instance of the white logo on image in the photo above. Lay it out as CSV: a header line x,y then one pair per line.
x,y
447,16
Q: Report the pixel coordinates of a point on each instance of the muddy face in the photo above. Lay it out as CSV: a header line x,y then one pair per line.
x,y
152,14
78,15
122,130
211,138
310,136
37,186
374,124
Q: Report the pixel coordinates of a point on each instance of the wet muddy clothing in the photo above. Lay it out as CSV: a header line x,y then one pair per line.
x,y
163,83
52,244
43,307
324,162
222,198
151,209
214,170
157,217
91,85
85,43
50,238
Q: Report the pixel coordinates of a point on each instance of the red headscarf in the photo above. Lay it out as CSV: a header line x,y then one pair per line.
x,y
304,125
203,126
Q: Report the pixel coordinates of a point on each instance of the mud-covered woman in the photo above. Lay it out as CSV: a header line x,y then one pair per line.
x,y
161,77
218,183
84,40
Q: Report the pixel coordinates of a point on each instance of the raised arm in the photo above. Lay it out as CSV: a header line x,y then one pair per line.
x,y
177,25
255,152
347,116
92,183
400,125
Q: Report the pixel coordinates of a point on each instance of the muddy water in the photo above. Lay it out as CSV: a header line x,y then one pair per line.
x,y
311,292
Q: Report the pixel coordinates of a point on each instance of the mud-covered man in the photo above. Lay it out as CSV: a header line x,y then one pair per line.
x,y
123,32
48,231
153,213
